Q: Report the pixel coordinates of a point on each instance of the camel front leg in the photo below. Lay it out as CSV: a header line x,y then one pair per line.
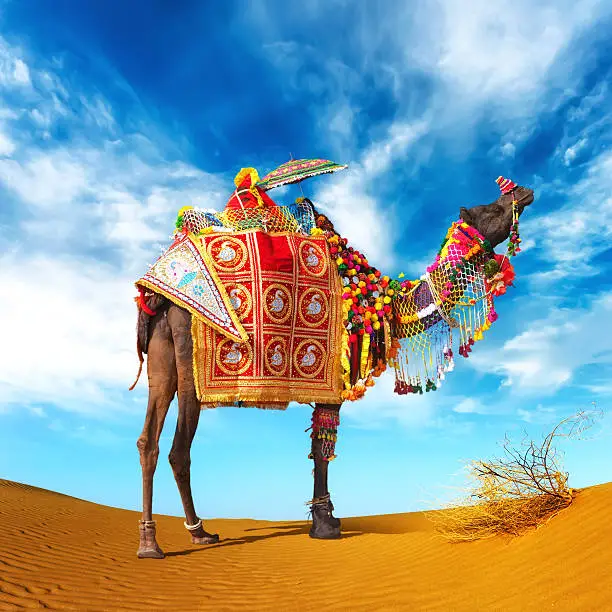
x,y
325,421
187,424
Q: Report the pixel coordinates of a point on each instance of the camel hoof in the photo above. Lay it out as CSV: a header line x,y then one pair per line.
x,y
149,548
331,534
325,531
150,553
209,538
325,526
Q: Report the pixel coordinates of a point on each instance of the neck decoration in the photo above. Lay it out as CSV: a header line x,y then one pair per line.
x,y
412,325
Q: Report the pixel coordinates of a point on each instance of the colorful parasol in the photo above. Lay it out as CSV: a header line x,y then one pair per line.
x,y
297,170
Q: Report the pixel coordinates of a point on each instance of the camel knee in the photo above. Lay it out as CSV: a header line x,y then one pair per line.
x,y
180,461
148,451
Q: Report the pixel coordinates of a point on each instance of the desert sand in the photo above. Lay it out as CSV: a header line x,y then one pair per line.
x,y
62,553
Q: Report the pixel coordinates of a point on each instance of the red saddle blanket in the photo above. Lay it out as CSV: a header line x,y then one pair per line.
x,y
286,292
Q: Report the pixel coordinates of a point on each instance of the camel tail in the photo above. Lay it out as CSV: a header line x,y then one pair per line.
x,y
131,388
145,304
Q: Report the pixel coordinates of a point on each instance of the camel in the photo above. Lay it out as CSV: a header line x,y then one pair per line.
x,y
166,339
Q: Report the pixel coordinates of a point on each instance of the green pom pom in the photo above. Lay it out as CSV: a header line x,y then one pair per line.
x,y
491,268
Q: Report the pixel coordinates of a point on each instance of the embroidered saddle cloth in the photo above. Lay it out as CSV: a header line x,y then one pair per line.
x,y
286,293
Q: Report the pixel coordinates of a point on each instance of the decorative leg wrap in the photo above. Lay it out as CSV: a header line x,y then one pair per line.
x,y
325,427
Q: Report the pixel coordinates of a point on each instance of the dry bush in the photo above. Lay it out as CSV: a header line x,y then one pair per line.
x,y
518,492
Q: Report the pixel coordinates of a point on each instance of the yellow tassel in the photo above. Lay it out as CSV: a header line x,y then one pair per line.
x,y
344,348
365,351
183,210
244,172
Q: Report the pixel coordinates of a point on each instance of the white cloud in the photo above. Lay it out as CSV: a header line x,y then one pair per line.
x,y
503,49
467,405
498,53
380,405
14,72
342,119
549,353
7,146
71,335
570,237
508,150
589,103
572,152
46,179
108,194
103,194
21,73
40,118
99,112
541,414
350,201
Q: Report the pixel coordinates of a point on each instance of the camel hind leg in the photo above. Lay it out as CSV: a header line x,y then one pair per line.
x,y
161,369
187,423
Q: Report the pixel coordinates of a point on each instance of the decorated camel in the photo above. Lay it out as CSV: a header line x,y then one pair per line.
x,y
262,305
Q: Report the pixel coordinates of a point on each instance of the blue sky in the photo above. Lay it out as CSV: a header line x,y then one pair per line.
x,y
116,115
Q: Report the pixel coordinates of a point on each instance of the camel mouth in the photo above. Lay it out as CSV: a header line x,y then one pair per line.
x,y
526,196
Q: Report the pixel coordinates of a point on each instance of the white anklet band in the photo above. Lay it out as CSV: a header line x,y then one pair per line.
x,y
193,527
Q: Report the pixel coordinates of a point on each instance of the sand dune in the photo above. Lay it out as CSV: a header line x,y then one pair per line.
x,y
62,553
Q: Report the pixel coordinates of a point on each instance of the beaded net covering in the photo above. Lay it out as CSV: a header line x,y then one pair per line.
x,y
452,300
298,218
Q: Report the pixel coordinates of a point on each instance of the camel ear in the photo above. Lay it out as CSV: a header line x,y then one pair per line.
x,y
465,214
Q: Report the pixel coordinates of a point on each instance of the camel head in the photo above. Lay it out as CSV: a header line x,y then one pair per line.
x,y
494,220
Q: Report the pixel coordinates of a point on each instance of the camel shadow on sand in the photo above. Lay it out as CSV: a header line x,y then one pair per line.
x,y
351,528
288,530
